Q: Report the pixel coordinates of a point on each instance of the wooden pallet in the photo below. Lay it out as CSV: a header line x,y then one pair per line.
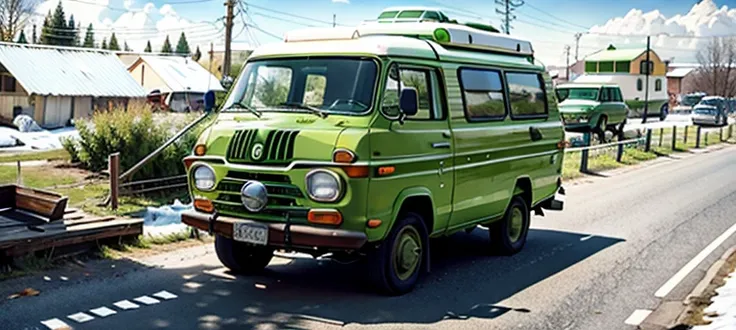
x,y
24,232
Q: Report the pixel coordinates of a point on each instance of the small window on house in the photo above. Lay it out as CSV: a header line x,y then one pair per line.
x,y
658,85
643,67
591,66
526,94
8,84
639,85
314,90
605,67
483,94
623,66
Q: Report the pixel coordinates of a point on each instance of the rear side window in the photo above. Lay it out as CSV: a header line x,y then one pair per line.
x,y
606,94
617,95
483,94
526,95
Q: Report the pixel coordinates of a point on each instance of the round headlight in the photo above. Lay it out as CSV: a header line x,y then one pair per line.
x,y
204,177
323,186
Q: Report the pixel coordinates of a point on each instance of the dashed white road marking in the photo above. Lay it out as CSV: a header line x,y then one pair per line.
x,y
103,311
637,317
56,324
220,272
81,317
125,305
165,295
582,239
682,273
147,300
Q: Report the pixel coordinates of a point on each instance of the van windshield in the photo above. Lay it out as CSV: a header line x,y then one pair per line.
x,y
710,102
691,100
331,85
590,94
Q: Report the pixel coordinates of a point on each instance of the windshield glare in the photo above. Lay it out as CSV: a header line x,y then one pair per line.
x,y
590,94
691,100
711,102
329,84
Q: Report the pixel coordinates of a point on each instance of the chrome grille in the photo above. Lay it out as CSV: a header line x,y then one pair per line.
x,y
278,146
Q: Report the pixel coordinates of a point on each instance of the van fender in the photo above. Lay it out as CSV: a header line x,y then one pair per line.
x,y
401,198
518,190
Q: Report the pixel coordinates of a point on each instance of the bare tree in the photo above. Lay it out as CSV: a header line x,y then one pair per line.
x,y
14,15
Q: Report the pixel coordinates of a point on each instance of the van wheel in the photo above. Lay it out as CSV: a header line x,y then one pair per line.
x,y
600,129
240,257
508,235
395,265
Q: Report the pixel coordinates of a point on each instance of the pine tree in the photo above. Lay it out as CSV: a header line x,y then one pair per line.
x,y
197,55
46,30
148,47
113,45
104,43
89,37
73,32
22,38
166,48
59,29
34,39
182,47
126,47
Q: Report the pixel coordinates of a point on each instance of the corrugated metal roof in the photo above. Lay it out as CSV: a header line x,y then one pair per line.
x,y
616,55
182,74
67,71
679,72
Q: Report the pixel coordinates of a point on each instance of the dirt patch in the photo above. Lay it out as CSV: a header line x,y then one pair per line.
x,y
695,311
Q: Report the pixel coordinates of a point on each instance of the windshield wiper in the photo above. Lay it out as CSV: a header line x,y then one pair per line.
x,y
304,106
240,105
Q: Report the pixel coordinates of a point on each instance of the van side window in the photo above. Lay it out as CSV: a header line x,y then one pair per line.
x,y
605,94
526,94
483,94
423,81
617,95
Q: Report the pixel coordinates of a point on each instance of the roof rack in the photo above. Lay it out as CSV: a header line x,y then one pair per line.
x,y
447,34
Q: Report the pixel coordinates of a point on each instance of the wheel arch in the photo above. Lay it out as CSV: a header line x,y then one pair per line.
x,y
523,187
417,199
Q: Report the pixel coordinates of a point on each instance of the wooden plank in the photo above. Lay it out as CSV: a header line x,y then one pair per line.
x,y
66,240
24,236
71,210
48,204
87,220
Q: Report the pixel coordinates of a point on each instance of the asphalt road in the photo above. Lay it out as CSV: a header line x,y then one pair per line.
x,y
620,238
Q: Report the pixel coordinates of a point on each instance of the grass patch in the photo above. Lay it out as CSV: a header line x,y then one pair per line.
x,y
26,265
58,154
143,242
603,161
35,176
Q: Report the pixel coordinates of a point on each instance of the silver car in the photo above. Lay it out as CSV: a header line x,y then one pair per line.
x,y
710,111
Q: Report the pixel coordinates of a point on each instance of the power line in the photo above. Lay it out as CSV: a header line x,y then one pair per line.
x,y
282,19
555,17
544,27
292,15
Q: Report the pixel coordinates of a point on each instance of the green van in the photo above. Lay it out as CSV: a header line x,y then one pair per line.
x,y
592,108
362,144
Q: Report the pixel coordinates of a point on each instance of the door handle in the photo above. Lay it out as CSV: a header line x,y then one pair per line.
x,y
438,145
535,133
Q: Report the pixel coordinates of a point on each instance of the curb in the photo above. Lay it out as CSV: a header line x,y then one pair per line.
x,y
669,314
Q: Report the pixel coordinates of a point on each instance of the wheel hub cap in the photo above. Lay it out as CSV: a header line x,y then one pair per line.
x,y
407,253
516,225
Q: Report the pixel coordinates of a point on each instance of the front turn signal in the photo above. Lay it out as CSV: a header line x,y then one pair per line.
x,y
200,150
204,205
343,156
357,171
324,217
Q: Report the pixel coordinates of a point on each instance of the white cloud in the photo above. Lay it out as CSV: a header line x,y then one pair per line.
x,y
136,25
341,1
704,19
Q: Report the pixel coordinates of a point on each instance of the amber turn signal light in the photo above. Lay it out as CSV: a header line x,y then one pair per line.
x,y
356,171
325,217
204,205
374,223
386,170
200,150
343,156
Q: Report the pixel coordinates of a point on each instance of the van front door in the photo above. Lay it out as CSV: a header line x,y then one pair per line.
x,y
421,148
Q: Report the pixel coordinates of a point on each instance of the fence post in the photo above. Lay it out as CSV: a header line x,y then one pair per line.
x,y
661,134
19,178
685,139
114,168
674,137
697,138
720,135
648,146
620,152
584,153
706,139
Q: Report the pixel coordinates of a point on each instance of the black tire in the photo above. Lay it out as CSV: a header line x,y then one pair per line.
x,y
600,129
502,240
242,258
384,275
663,112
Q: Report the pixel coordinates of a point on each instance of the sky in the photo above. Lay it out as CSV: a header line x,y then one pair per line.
x,y
549,24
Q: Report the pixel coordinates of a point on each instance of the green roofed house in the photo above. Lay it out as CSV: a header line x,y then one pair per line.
x,y
627,68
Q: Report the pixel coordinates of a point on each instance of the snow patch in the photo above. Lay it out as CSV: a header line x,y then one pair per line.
x,y
724,306
165,220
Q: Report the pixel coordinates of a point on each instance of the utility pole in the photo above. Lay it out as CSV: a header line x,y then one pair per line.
x,y
212,59
334,17
646,84
577,45
567,62
229,4
507,12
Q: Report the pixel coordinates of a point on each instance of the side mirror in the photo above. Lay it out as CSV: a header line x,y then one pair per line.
x,y
409,101
209,101
226,82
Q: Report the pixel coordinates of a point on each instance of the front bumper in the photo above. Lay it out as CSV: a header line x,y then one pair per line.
x,y
705,120
281,234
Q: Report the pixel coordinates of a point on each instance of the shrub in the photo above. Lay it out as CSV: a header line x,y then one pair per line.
x,y
134,133
71,147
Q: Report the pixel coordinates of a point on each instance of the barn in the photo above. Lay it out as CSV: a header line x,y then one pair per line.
x,y
57,84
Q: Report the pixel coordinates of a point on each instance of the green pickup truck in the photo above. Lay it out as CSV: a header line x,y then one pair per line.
x,y
592,108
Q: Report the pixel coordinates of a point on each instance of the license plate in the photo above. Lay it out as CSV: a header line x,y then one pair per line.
x,y
250,233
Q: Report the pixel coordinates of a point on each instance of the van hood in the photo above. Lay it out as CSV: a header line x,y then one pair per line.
x,y
577,105
275,139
